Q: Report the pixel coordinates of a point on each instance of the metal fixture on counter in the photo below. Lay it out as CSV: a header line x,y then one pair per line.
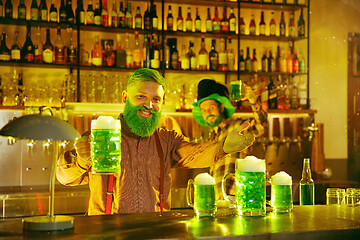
x,y
44,128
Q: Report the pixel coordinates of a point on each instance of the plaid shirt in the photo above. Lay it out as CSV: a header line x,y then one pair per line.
x,y
226,164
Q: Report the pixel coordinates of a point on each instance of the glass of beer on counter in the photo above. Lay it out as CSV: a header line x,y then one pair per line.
x,y
105,145
250,181
281,192
202,188
236,89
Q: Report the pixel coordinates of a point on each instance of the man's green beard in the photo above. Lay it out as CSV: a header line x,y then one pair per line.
x,y
217,121
141,126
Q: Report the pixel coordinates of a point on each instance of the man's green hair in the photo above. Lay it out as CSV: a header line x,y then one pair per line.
x,y
146,74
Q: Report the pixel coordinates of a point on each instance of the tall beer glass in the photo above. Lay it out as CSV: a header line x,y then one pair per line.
x,y
236,88
250,196
105,145
204,195
281,192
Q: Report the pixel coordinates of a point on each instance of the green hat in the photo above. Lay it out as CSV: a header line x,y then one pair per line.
x,y
209,89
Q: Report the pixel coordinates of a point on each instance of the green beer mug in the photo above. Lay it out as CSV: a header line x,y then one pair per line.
x,y
281,192
105,145
236,90
250,186
202,188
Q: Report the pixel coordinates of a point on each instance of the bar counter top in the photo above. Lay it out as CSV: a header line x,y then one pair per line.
x,y
304,222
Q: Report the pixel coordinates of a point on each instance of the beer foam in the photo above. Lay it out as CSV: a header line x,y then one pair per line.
x,y
281,178
204,179
250,164
105,122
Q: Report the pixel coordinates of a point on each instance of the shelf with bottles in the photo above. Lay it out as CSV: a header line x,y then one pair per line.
x,y
32,23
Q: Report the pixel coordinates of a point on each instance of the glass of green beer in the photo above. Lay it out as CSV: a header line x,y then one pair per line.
x,y
202,188
281,192
250,181
105,145
236,87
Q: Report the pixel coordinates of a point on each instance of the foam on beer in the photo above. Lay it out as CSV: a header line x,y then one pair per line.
x,y
250,164
105,122
281,178
204,179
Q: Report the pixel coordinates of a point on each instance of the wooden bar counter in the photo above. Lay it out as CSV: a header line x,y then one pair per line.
x,y
304,222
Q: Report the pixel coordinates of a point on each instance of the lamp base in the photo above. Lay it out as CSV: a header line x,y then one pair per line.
x,y
47,223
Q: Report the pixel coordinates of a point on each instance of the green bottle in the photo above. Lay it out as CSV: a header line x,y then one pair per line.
x,y
307,188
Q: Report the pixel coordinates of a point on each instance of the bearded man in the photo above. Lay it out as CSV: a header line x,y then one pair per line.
x,y
213,109
147,154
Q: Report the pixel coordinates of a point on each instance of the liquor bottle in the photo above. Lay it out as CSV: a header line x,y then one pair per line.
x,y
121,16
213,57
114,16
277,60
109,55
21,10
180,21
128,17
192,56
307,188
62,12
184,60
34,11
301,25
289,63
43,11
216,22
154,18
294,96
8,9
129,56
287,95
15,54
222,56
90,14
242,26
80,13
59,48
295,63
96,53
271,62
71,49
188,21
272,25
209,26
282,61
38,47
203,56
302,66
137,52
48,49
264,62
170,20
224,22
138,19
97,15
147,18
262,25
254,62
282,25
197,21
167,54
146,52
232,21
27,51
264,94
272,95
241,61
174,54
248,60
4,50
53,12
104,14
291,25
120,54
252,26
70,18
154,53
230,55
303,96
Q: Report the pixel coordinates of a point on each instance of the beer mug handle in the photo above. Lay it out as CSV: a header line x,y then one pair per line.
x,y
190,193
223,186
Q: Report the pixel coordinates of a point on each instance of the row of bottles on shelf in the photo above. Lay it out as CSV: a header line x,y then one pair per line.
x,y
149,20
278,2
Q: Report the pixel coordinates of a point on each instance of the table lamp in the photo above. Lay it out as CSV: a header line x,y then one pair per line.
x,y
49,128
